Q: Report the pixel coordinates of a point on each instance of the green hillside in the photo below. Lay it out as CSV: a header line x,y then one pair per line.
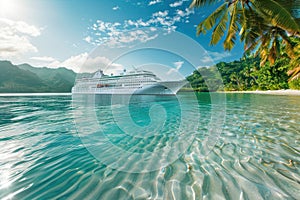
x,y
25,78
57,80
243,74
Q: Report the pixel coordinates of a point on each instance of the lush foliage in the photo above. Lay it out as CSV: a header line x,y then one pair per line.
x,y
244,74
264,26
206,79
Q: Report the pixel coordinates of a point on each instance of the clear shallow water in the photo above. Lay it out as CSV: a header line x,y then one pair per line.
x,y
257,156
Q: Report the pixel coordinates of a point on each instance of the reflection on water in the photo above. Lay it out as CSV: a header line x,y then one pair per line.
x,y
152,131
119,99
257,155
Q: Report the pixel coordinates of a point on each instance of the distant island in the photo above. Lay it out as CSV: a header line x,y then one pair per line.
x,y
240,75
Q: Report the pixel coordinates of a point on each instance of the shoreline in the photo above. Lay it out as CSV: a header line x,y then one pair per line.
x,y
289,92
34,94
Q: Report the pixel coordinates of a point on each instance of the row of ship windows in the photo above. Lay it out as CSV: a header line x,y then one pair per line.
x,y
117,85
129,80
124,80
108,85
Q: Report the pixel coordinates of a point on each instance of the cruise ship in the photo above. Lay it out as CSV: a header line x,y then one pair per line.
x,y
133,82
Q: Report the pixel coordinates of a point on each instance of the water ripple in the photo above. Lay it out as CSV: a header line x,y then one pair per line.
x,y
256,157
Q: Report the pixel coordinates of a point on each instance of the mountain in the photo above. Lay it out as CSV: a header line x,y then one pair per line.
x,y
57,80
26,78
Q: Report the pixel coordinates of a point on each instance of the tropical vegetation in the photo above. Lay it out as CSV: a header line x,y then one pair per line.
x,y
243,74
266,27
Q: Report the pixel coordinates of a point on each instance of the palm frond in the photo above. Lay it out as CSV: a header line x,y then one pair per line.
x,y
200,3
295,61
292,7
243,22
219,30
252,45
253,27
294,73
276,14
274,51
287,43
232,28
211,20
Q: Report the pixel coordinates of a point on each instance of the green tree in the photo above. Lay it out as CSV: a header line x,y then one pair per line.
x,y
263,25
294,68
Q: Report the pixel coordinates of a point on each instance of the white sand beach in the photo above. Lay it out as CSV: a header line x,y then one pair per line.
x,y
272,92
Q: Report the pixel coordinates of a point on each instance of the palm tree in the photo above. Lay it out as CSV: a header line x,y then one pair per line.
x,y
261,25
295,59
234,77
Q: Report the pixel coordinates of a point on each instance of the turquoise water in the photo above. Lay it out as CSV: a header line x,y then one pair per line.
x,y
53,147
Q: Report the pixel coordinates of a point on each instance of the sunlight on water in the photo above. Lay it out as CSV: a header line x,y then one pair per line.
x,y
257,155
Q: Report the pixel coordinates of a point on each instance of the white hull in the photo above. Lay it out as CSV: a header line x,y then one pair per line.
x,y
159,88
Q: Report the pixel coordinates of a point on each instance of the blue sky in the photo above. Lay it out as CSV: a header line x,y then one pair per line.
x,y
65,33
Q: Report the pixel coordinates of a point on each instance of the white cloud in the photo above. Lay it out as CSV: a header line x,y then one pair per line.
x,y
153,2
160,13
19,27
116,33
113,34
130,37
15,38
43,59
140,22
88,39
14,45
206,59
153,29
106,26
82,63
184,13
116,8
176,4
177,66
218,55
214,56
